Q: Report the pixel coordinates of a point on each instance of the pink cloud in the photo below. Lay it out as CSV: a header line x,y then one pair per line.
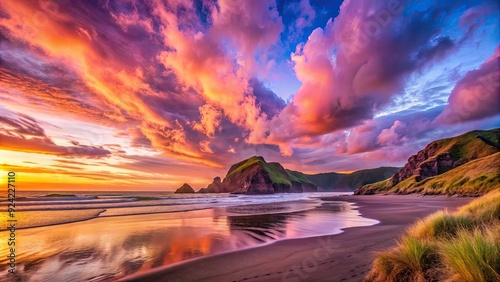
x,y
306,14
251,26
393,135
476,96
355,66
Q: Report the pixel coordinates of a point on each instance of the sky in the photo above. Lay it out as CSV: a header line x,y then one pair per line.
x,y
147,95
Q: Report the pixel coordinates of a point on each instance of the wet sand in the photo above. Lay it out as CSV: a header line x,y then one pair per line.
x,y
343,257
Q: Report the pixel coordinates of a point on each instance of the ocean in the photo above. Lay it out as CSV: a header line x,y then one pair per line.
x,y
103,236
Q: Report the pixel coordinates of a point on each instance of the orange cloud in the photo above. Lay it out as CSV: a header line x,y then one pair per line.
x,y
118,86
200,61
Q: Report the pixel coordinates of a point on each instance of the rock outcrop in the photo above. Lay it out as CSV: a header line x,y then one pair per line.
x,y
426,163
256,176
214,187
185,188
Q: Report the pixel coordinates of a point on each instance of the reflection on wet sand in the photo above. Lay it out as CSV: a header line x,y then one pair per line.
x,y
108,248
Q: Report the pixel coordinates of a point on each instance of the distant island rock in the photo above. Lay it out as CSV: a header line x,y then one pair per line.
x,y
185,188
465,165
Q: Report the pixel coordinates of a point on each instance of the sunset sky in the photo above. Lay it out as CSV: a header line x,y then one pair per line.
x,y
147,95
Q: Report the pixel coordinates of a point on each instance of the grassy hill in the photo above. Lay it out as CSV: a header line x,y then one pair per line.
x,y
463,165
471,145
276,172
471,179
324,180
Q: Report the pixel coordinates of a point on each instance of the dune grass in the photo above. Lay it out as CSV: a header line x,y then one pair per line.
x,y
473,255
440,224
485,209
459,246
410,261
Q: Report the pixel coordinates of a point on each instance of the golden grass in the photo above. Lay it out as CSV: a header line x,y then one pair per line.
x,y
459,246
473,256
440,224
486,208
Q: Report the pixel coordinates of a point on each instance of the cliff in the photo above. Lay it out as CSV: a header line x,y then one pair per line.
x,y
463,165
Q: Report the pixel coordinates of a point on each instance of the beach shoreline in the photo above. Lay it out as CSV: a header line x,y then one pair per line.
x,y
339,257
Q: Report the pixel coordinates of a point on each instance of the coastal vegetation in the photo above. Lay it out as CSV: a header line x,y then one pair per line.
x,y
459,246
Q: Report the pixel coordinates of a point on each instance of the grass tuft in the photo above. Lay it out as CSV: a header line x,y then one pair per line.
x,y
473,256
440,224
485,209
410,261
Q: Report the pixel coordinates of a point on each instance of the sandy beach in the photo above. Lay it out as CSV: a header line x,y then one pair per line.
x,y
342,257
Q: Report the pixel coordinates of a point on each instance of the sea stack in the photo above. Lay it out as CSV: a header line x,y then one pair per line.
x,y
214,187
256,176
185,188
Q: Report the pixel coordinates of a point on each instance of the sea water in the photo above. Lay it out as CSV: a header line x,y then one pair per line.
x,y
102,236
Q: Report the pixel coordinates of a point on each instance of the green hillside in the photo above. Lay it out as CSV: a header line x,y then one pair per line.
x,y
462,165
256,176
366,176
471,179
325,180
276,172
471,145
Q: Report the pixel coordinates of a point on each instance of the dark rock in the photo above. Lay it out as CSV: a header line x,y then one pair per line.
x,y
214,187
185,188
